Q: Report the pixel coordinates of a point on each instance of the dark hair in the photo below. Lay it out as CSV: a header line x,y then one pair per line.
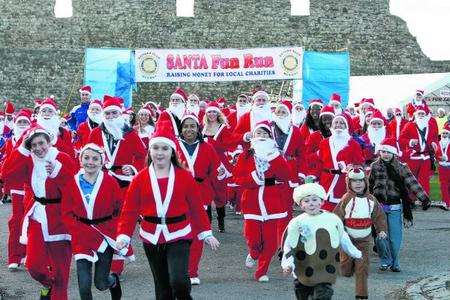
x,y
310,121
28,140
267,131
132,119
173,159
199,131
326,132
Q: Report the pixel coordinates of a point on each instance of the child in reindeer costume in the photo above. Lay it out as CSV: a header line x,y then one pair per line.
x,y
311,245
359,211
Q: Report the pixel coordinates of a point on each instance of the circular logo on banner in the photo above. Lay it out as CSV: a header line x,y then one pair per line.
x,y
148,64
290,62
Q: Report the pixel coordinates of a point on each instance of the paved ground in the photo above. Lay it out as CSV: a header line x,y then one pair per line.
x,y
425,253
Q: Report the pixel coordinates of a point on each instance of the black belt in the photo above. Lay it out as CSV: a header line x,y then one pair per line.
x,y
333,171
93,221
45,201
269,181
198,179
164,220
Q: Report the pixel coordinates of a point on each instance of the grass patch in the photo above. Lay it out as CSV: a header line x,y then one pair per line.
x,y
435,191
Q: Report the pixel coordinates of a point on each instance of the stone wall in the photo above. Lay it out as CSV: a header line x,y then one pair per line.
x,y
41,55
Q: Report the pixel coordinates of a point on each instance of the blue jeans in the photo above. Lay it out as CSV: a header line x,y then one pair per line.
x,y
389,254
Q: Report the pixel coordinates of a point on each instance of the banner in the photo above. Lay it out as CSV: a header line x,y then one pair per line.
x,y
203,65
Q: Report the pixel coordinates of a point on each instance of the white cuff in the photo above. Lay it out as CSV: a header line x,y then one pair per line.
x,y
293,184
202,235
24,151
348,247
410,144
301,175
256,178
56,170
124,238
244,139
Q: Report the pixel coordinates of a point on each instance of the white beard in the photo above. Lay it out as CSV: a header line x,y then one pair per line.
x,y
362,119
96,118
146,131
444,142
338,111
263,147
376,136
283,123
115,127
339,139
195,109
51,125
2,127
422,123
298,117
242,109
18,131
260,114
177,110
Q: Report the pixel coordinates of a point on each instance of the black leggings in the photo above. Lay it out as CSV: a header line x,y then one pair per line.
x,y
169,265
321,291
102,279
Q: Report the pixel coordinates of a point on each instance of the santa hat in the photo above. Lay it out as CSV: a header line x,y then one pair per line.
x,y
49,103
95,148
260,94
33,130
151,104
356,173
377,115
287,104
316,102
180,94
190,116
368,101
308,189
212,106
128,111
194,97
422,108
420,92
9,108
221,101
370,110
23,114
85,89
327,110
96,102
265,125
163,134
388,145
145,109
336,98
397,110
446,127
111,103
37,102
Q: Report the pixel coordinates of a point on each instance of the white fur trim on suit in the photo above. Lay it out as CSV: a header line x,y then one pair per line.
x,y
257,180
202,235
24,151
56,170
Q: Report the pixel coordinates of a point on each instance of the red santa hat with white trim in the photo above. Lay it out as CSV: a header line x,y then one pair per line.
x,y
446,127
49,103
316,102
111,103
377,115
9,108
368,101
190,116
327,110
180,94
145,109
260,94
23,114
388,145
335,98
96,148
397,111
212,106
96,103
287,104
34,129
264,125
420,92
85,89
422,108
163,134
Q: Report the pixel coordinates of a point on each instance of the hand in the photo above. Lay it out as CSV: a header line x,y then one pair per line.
x,y
382,235
127,170
287,271
212,242
407,223
49,167
414,142
120,245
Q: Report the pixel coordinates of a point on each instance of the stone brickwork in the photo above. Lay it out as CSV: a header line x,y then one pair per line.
x,y
41,55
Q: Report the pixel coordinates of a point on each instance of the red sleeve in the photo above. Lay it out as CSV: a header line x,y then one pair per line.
x,y
15,169
131,208
140,152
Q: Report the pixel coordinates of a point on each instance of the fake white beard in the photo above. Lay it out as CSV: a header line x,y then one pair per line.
x,y
423,122
298,117
444,142
339,138
96,118
259,114
242,109
337,111
51,125
263,147
362,119
376,136
177,110
115,127
2,127
18,131
283,123
195,109
146,131
398,119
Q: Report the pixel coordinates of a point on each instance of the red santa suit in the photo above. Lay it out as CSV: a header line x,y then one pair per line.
x,y
373,138
443,156
47,239
262,205
83,132
418,156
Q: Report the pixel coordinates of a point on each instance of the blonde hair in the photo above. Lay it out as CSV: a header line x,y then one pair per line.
x,y
221,119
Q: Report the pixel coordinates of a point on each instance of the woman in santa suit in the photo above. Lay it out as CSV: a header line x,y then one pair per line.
x,y
91,204
144,124
16,251
167,198
43,170
202,161
258,172
335,154
217,133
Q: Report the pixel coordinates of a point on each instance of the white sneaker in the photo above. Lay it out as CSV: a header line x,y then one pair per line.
x,y
195,281
13,267
250,262
263,278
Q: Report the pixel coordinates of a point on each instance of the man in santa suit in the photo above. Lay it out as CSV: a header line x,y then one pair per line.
x,y
443,156
79,112
359,120
335,154
397,124
94,119
9,114
243,106
335,101
311,123
419,143
5,131
175,111
298,114
259,112
48,118
193,106
418,100
376,133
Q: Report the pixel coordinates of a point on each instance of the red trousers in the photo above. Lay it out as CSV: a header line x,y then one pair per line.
x,y
422,170
48,262
195,256
444,180
261,238
16,251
